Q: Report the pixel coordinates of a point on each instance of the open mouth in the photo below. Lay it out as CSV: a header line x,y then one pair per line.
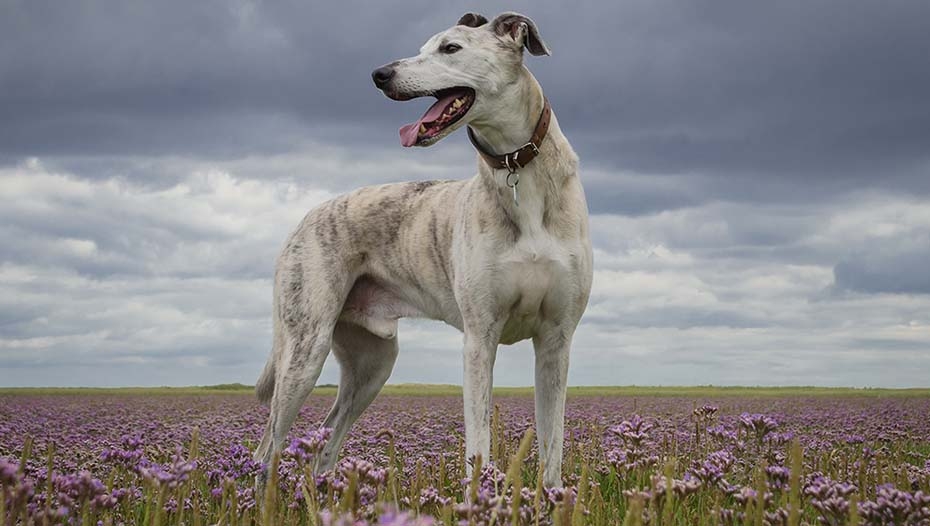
x,y
452,105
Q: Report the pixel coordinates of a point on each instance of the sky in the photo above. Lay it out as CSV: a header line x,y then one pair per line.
x,y
758,178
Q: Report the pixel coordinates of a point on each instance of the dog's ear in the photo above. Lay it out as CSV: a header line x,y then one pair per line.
x,y
522,30
472,20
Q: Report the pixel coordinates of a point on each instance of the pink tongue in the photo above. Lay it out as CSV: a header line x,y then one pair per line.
x,y
409,132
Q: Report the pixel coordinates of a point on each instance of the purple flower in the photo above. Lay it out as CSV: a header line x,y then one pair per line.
x,y
829,497
431,497
328,518
9,474
236,463
758,424
893,506
722,433
14,489
392,517
778,477
705,412
306,448
172,475
633,432
80,488
714,467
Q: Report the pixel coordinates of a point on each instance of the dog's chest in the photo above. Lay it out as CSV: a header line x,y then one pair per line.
x,y
533,280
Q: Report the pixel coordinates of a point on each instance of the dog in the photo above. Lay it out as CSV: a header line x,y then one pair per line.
x,y
503,256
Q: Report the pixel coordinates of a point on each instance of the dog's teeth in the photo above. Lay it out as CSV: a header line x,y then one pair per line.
x,y
458,103
422,128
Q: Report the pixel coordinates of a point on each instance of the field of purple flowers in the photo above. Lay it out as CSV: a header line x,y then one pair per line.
x,y
159,458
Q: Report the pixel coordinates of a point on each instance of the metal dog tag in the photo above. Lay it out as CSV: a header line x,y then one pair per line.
x,y
516,181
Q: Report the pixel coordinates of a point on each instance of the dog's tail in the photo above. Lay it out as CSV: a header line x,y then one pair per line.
x,y
264,388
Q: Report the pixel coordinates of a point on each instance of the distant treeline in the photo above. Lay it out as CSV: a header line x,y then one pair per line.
x,y
244,387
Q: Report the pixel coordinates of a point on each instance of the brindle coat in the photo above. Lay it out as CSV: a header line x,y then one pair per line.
x,y
459,251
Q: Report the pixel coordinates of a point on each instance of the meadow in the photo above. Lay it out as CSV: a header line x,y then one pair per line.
x,y
636,456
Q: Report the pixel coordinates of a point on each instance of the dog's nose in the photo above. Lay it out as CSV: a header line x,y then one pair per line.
x,y
382,76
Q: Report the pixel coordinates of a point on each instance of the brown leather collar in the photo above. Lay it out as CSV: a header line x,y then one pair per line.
x,y
519,158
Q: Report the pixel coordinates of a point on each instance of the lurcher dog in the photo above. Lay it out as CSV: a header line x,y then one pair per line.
x,y
503,257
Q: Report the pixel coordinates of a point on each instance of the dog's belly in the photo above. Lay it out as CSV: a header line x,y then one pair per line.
x,y
377,308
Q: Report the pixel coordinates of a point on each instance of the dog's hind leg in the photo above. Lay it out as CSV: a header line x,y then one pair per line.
x,y
293,385
307,306
303,360
366,362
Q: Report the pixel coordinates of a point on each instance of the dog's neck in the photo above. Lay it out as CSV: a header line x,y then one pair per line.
x,y
514,120
544,176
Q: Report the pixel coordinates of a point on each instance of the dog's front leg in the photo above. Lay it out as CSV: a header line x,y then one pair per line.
x,y
552,347
480,352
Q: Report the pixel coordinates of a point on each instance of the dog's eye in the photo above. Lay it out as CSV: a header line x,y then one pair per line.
x,y
450,48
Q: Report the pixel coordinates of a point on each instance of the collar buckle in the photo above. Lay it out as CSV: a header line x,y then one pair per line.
x,y
531,145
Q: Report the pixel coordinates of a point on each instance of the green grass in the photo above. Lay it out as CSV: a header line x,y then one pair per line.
x,y
708,391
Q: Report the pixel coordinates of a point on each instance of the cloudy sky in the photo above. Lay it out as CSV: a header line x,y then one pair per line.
x,y
758,176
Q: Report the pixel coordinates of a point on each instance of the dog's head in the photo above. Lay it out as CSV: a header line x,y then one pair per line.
x,y
464,67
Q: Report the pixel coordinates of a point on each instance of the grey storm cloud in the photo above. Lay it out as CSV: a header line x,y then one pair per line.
x,y
878,271
828,90
757,175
